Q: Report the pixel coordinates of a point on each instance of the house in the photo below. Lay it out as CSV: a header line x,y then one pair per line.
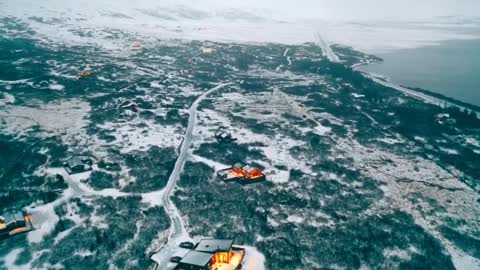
x,y
210,254
247,171
85,74
224,137
12,224
77,165
241,172
222,249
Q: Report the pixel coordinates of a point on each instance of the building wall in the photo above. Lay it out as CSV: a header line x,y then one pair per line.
x,y
222,257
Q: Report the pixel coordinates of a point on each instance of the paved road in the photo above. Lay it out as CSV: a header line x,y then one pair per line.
x,y
326,49
177,227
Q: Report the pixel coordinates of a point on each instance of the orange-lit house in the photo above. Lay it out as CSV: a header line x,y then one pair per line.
x,y
12,224
247,171
85,74
241,172
211,254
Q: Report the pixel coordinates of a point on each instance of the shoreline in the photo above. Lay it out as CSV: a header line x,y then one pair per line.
x,y
416,92
426,91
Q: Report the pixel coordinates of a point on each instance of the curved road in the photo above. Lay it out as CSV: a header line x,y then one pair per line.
x,y
177,227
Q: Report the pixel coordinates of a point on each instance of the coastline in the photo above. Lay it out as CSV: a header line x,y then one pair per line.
x,y
416,92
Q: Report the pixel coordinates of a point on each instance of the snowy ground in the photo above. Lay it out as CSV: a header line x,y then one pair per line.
x,y
330,149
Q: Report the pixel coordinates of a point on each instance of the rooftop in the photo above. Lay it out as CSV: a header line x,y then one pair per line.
x,y
214,245
10,218
248,168
75,161
239,165
197,258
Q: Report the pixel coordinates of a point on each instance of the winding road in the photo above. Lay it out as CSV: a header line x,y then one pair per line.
x,y
177,226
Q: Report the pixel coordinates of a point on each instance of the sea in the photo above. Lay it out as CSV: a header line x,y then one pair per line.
x,y
451,68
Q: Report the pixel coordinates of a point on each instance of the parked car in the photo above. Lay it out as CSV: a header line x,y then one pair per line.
x,y
188,245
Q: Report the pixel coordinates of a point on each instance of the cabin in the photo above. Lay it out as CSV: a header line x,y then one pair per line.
x,y
241,172
12,224
210,254
247,171
85,74
77,165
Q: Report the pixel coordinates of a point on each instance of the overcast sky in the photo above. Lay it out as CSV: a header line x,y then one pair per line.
x,y
351,9
305,19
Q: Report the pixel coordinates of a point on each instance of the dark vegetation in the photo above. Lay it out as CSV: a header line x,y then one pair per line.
x,y
122,216
229,153
357,242
100,180
468,244
353,242
21,158
150,169
343,235
449,99
350,57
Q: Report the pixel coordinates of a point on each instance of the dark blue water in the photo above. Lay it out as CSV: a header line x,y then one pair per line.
x,y
451,69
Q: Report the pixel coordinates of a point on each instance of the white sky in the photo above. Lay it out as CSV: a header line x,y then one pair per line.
x,y
294,21
348,9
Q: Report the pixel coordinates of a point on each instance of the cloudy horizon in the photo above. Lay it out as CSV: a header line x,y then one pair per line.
x,y
370,25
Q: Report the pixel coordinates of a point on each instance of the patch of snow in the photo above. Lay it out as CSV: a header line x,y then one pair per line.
x,y
133,138
67,117
10,259
449,151
420,139
271,222
44,221
6,98
253,260
212,164
57,87
356,95
295,219
390,140
472,141
153,198
463,261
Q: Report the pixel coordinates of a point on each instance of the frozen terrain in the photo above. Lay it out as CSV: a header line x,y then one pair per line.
x,y
360,173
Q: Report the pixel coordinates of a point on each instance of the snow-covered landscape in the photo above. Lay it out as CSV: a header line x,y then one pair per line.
x,y
360,172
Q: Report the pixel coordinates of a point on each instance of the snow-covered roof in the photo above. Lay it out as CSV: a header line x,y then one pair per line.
x,y
214,245
197,258
75,161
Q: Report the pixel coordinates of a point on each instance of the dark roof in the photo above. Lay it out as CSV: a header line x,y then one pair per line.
x,y
214,245
12,218
197,258
75,161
